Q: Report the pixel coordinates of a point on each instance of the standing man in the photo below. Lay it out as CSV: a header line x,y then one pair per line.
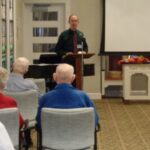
x,y
71,40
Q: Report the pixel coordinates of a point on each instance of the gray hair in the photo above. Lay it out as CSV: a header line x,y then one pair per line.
x,y
65,72
3,77
21,65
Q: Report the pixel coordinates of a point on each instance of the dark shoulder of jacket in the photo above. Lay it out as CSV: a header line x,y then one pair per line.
x,y
80,34
65,34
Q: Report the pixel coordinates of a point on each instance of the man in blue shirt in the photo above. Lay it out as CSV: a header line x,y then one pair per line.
x,y
64,95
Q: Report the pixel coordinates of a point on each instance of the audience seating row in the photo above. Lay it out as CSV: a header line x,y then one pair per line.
x,y
61,128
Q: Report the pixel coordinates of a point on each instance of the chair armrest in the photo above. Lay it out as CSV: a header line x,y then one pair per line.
x,y
98,128
25,125
28,124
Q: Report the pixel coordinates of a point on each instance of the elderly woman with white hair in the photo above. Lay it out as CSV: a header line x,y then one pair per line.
x,y
16,82
6,101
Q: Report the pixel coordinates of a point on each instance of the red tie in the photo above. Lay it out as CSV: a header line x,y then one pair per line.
x,y
75,41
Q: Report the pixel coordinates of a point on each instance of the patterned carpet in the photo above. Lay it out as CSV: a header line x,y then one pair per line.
x,y
123,127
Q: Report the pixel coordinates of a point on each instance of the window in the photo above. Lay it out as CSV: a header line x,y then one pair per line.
x,y
40,48
43,32
45,16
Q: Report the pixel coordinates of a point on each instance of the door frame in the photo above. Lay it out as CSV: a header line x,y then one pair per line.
x,y
53,2
65,2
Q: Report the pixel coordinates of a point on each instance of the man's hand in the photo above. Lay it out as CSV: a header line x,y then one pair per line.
x,y
69,53
81,52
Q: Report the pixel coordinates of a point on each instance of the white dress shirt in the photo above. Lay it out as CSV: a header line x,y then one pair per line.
x,y
5,141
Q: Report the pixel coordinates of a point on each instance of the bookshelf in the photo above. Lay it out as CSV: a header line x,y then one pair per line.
x,y
7,37
111,72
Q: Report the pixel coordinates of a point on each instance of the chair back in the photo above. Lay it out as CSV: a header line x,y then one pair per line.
x,y
41,85
68,129
27,102
10,118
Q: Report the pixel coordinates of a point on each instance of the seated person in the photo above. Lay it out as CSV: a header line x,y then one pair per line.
x,y
9,102
5,141
6,101
64,95
16,81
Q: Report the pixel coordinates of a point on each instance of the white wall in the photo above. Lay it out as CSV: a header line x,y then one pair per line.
x,y
90,15
18,28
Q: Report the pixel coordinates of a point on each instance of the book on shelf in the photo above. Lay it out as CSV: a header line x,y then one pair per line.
x,y
11,13
3,28
3,2
10,3
3,12
11,29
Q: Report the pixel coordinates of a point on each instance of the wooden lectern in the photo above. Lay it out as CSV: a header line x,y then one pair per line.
x,y
79,66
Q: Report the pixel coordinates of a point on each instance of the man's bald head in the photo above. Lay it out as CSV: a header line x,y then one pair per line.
x,y
21,65
64,74
73,22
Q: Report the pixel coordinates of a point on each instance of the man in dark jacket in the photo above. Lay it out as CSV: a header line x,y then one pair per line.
x,y
71,40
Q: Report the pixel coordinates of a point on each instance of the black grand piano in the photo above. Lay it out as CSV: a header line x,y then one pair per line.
x,y
44,67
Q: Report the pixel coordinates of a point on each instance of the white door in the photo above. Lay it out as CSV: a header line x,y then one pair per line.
x,y
42,24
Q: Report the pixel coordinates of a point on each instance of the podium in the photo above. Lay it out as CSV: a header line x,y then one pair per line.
x,y
50,63
79,66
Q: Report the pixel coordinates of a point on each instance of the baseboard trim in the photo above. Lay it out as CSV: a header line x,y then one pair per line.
x,y
95,96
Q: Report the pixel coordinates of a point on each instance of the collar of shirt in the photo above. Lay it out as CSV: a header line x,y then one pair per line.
x,y
71,31
16,75
64,86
